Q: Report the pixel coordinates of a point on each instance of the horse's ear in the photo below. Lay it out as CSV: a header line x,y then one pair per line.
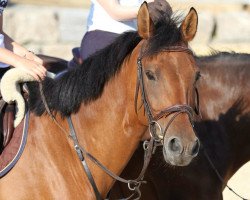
x,y
144,22
189,25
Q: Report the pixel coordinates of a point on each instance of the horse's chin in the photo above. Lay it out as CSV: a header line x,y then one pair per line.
x,y
177,160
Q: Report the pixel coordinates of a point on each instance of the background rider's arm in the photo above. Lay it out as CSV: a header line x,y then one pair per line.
x,y
118,12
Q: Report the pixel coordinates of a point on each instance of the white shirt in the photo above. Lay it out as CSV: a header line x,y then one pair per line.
x,y
99,19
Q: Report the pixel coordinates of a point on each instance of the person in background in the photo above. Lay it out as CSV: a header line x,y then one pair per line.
x,y
107,19
13,54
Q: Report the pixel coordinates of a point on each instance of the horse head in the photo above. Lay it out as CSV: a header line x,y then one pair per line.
x,y
167,74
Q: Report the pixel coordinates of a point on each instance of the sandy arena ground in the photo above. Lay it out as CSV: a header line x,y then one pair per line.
x,y
240,183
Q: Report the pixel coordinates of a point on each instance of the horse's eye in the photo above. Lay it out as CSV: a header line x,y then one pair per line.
x,y
150,75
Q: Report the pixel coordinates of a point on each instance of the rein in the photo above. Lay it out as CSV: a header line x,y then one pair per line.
x,y
219,176
149,146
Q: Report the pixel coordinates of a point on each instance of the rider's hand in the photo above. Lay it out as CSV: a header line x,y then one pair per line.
x,y
31,56
35,69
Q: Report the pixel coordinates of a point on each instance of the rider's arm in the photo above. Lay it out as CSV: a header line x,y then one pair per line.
x,y
118,12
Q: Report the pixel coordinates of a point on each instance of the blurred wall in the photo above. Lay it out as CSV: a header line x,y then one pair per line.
x,y
71,3
57,26
52,28
223,24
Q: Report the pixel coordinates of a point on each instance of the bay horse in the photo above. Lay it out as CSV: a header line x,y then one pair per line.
x,y
224,132
98,103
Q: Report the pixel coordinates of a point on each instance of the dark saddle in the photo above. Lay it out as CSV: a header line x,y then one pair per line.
x,y
6,123
14,140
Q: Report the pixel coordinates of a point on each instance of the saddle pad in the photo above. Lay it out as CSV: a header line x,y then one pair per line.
x,y
13,151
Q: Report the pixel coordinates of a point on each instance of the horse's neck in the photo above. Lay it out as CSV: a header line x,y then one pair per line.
x,y
215,97
223,94
223,85
108,128
226,106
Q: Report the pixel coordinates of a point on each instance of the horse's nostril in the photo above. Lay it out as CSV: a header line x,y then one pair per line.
x,y
175,145
195,148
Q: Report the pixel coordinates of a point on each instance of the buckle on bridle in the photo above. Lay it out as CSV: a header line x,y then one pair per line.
x,y
153,125
132,184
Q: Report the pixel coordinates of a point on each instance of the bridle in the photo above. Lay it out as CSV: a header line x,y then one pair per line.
x,y
175,109
149,146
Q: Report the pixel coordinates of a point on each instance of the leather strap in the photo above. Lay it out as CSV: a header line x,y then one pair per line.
x,y
8,123
91,180
133,185
81,157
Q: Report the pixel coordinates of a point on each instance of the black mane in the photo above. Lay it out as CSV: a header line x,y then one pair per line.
x,y
167,33
85,83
